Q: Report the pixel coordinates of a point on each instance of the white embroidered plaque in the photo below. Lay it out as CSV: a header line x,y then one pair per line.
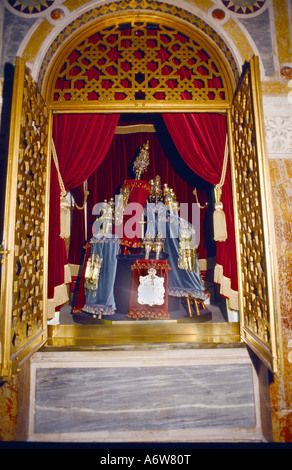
x,y
151,289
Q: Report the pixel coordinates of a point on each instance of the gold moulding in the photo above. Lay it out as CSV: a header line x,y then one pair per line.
x,y
108,333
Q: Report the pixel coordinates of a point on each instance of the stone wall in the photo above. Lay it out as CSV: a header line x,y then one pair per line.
x,y
280,390
8,409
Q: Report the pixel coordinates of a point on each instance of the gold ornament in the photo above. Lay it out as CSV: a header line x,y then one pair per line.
x,y
155,191
187,254
148,244
170,199
92,272
142,161
158,245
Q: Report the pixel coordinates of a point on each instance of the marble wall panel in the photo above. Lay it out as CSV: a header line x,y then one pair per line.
x,y
72,400
15,29
8,409
260,30
281,388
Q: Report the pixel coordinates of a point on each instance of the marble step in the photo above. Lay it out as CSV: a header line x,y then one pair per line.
x,y
144,395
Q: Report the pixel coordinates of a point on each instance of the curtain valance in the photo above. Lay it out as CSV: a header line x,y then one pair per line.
x,y
81,142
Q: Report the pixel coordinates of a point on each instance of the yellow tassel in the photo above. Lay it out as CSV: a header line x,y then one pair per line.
x,y
65,218
219,221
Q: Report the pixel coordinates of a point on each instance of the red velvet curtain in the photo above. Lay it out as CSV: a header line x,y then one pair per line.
x,y
200,143
117,167
200,139
78,233
164,161
81,142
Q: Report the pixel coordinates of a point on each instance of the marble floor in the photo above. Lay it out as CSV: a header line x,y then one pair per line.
x,y
148,398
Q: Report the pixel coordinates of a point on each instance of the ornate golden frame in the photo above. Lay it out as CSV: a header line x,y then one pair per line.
x,y
79,105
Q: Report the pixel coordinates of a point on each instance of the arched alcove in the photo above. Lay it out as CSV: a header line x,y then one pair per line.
x,y
138,59
113,61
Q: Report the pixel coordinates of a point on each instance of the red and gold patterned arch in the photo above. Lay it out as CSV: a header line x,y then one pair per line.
x,y
139,62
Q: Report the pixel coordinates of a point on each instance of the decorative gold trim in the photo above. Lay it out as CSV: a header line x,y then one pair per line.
x,y
127,8
135,128
9,218
257,269
268,222
46,224
109,333
142,312
24,275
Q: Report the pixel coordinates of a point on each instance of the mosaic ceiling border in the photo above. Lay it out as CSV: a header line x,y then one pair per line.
x,y
136,5
31,8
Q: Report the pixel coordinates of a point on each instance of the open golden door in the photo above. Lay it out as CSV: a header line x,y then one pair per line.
x,y
256,258
24,247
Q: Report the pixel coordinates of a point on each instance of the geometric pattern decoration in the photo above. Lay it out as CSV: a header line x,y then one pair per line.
x,y
113,13
30,7
29,259
256,307
139,61
244,7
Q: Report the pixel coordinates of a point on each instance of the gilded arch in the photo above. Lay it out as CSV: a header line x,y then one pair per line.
x,y
74,78
161,58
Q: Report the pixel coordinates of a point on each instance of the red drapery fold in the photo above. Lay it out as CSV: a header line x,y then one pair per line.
x,y
200,139
139,192
78,223
81,143
117,167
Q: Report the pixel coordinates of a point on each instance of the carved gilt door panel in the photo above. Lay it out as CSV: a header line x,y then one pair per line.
x,y
24,261
257,267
